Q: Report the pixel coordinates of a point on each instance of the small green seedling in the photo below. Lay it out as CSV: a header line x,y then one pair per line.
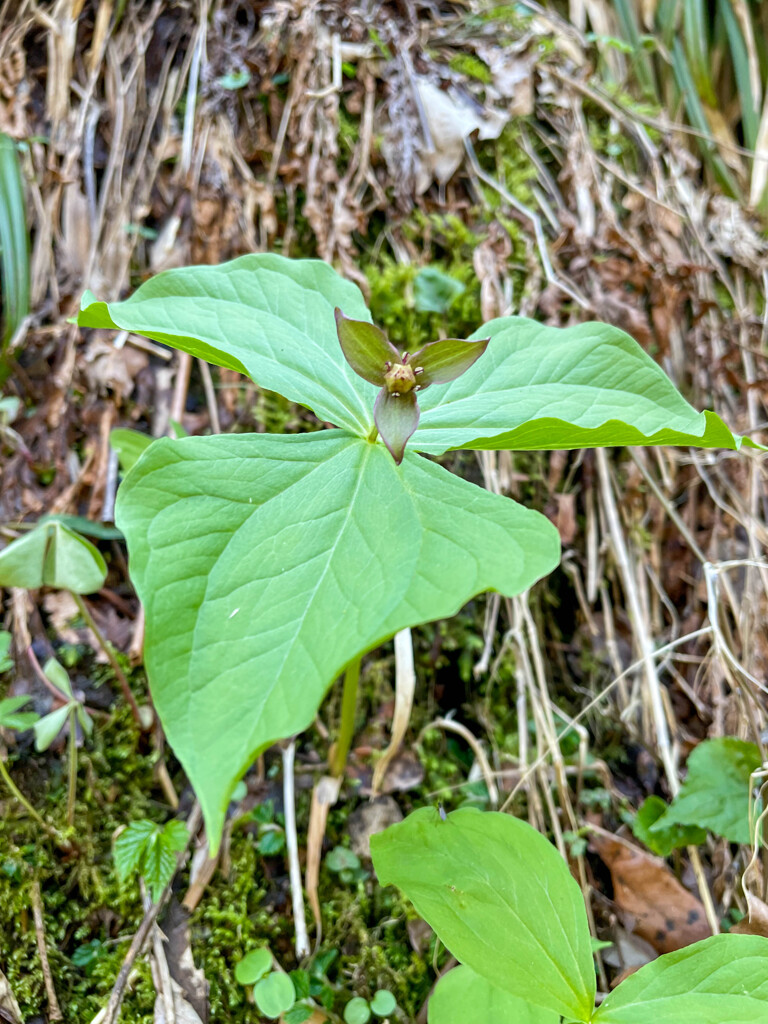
x,y
268,565
150,850
273,991
54,555
359,1010
271,841
505,904
346,864
69,710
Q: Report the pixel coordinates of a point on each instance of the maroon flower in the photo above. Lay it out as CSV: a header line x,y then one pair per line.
x,y
401,376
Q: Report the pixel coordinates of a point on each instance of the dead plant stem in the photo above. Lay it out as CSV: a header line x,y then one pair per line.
x,y
107,648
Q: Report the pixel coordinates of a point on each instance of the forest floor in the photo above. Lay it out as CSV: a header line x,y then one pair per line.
x,y
512,155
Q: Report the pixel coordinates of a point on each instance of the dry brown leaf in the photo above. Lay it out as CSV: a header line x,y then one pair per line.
x,y
664,912
756,921
110,368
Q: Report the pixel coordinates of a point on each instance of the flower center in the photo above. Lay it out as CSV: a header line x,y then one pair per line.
x,y
399,379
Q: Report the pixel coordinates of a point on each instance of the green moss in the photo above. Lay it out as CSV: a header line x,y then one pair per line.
x,y
81,897
471,66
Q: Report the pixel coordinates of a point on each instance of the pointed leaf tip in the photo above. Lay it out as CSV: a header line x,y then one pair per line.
x,y
439,362
396,417
365,348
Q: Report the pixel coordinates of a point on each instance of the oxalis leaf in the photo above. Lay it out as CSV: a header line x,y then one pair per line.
x,y
500,898
266,563
722,980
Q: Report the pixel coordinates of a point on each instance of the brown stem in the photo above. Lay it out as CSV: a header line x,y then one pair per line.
x,y
107,648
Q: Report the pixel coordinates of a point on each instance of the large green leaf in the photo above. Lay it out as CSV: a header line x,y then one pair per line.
x,y
547,387
266,563
463,997
722,980
264,315
500,898
715,795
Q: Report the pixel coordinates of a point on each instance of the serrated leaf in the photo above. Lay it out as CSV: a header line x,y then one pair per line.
x,y
49,727
52,555
715,795
663,840
298,554
129,445
721,980
175,835
463,997
500,898
274,994
264,315
540,387
12,718
157,864
130,845
253,966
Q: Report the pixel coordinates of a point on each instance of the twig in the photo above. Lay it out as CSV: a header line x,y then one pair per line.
x,y
210,395
54,1010
461,730
405,685
297,895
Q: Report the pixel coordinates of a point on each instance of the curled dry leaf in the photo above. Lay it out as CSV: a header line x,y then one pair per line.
x,y
665,914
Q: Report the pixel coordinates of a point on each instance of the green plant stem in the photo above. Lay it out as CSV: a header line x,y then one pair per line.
x,y
16,792
107,648
72,773
347,730
373,434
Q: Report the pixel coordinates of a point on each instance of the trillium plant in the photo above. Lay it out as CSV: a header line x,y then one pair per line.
x,y
269,564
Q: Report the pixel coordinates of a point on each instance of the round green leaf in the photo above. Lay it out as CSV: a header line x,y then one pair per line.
x,y
383,1003
463,996
265,564
500,898
52,555
274,994
357,1011
253,966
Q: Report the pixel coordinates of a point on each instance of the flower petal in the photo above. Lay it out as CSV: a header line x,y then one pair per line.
x,y
396,417
365,348
441,361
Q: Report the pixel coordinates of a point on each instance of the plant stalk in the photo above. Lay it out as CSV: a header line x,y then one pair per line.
x,y
72,773
373,434
107,648
18,795
347,730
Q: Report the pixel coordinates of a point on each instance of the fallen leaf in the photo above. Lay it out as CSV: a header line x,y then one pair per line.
x,y
658,908
756,921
